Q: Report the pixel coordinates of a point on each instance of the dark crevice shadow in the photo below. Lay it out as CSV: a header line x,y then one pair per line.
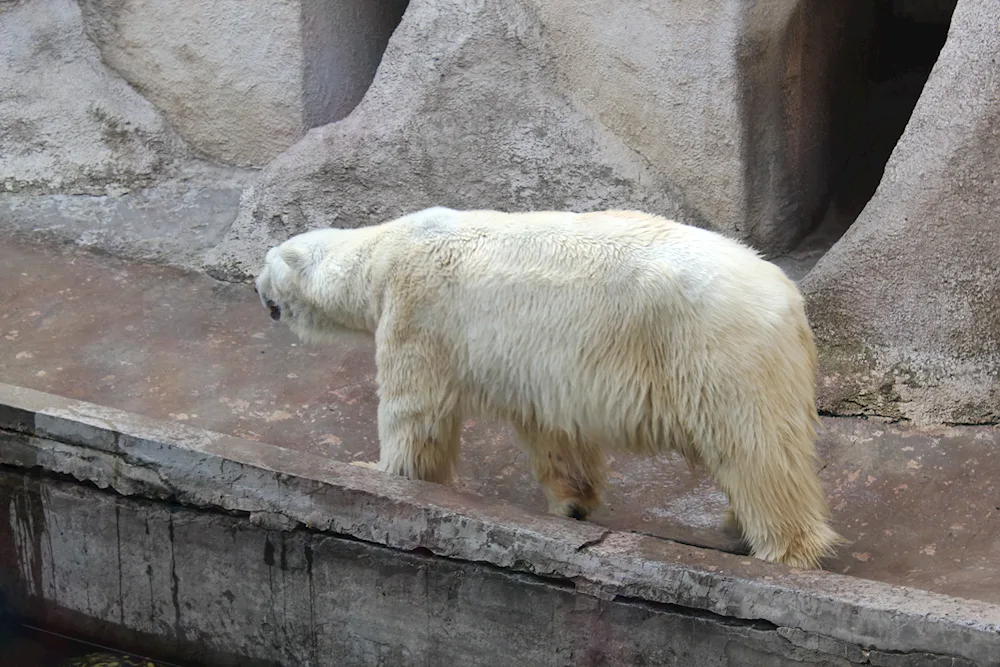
x,y
902,47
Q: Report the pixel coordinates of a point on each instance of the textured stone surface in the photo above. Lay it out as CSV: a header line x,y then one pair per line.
x,y
86,158
66,123
342,45
905,305
173,221
715,113
278,489
242,80
212,587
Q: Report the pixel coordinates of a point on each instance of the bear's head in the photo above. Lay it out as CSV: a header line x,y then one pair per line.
x,y
313,283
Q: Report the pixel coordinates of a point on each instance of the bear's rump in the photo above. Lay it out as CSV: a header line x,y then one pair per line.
x,y
639,376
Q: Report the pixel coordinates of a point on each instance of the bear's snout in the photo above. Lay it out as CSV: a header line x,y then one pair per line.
x,y
274,308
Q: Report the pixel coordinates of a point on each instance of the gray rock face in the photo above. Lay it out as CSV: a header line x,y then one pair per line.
x,y
242,80
906,306
66,123
174,221
706,112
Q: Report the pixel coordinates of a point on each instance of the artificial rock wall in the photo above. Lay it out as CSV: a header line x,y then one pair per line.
x,y
716,113
122,124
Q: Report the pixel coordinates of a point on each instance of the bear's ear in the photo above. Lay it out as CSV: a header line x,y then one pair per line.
x,y
299,258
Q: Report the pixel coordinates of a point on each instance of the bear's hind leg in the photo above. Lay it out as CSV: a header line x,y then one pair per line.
x,y
730,523
571,473
779,507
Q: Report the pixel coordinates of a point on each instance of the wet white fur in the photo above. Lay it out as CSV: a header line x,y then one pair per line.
x,y
589,333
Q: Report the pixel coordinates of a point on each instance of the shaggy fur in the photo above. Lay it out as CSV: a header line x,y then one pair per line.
x,y
588,332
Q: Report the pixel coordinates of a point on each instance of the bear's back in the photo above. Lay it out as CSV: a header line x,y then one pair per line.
x,y
627,252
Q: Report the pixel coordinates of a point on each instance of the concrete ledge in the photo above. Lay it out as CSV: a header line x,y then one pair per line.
x,y
284,491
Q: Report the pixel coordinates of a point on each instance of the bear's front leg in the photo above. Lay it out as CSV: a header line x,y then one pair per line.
x,y
416,441
419,424
412,448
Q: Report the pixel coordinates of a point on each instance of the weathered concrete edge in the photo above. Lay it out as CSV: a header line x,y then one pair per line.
x,y
285,489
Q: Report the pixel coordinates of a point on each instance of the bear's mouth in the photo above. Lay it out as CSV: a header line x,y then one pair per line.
x,y
275,310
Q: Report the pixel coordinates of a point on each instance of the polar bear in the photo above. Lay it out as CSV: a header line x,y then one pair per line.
x,y
588,332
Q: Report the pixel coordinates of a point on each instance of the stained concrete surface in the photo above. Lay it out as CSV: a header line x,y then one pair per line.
x,y
920,506
154,467
214,589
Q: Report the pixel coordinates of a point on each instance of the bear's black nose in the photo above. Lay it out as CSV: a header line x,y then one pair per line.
x,y
275,310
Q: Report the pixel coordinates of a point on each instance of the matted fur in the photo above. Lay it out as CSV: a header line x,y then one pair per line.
x,y
588,332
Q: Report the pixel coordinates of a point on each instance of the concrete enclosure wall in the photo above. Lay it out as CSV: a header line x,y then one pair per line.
x,y
239,553
343,43
211,587
905,304
67,125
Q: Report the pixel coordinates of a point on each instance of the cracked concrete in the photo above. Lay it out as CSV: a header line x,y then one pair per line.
x,y
207,586
202,488
596,542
